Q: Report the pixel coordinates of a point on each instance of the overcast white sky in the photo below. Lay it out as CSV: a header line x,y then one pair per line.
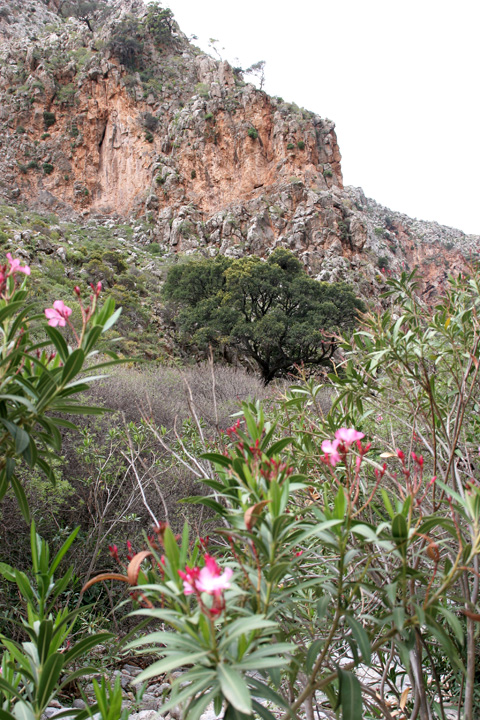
x,y
400,78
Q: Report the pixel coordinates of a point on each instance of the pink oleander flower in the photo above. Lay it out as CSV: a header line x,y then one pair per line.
x,y
189,578
209,579
16,267
59,314
330,448
348,435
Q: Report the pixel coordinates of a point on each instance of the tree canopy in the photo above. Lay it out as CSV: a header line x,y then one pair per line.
x,y
269,310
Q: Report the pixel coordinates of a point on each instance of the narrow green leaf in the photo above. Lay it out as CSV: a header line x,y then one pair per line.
x,y
217,459
312,654
9,689
361,639
63,550
22,440
454,623
58,340
278,446
85,645
172,661
7,572
49,678
112,320
350,696
243,626
73,365
23,711
21,498
234,689
44,638
5,715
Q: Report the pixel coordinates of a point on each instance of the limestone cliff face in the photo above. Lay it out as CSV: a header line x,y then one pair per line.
x,y
153,128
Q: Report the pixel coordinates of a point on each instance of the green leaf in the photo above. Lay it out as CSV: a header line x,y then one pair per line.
x,y
454,623
243,626
87,670
262,711
44,638
216,459
23,711
73,365
21,498
63,550
278,446
172,661
312,654
234,688
22,440
400,533
49,678
85,645
79,409
7,572
58,340
361,639
350,696
5,715
112,320
196,707
9,689
189,691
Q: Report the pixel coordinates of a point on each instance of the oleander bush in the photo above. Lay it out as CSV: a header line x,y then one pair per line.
x,y
337,574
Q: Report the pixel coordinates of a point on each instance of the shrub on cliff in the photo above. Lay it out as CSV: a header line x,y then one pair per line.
x,y
127,43
270,311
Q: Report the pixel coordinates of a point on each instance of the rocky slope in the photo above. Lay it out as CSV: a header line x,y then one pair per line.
x,y
131,121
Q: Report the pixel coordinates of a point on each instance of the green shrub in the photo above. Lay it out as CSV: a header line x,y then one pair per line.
x,y
252,133
20,130
149,136
66,94
127,42
49,119
383,262
263,329
33,165
209,116
47,168
290,146
301,145
202,89
379,231
327,173
193,174
45,136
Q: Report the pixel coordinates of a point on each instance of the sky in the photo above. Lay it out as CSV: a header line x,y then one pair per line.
x,y
400,79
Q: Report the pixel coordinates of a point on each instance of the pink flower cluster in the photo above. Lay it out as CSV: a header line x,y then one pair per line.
x,y
9,270
334,449
209,579
59,314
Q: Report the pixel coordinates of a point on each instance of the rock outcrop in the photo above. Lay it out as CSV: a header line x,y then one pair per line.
x,y
132,120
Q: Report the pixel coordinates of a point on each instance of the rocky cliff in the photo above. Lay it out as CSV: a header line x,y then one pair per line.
x,y
120,116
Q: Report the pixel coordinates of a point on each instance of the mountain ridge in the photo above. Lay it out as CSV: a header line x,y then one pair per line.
x,y
132,121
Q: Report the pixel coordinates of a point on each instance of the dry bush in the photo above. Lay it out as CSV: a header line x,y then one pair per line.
x,y
162,393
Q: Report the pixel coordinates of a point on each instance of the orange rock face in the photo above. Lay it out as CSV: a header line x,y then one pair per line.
x,y
212,163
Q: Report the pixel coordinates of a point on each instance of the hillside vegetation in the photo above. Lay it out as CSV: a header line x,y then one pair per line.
x,y
238,401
